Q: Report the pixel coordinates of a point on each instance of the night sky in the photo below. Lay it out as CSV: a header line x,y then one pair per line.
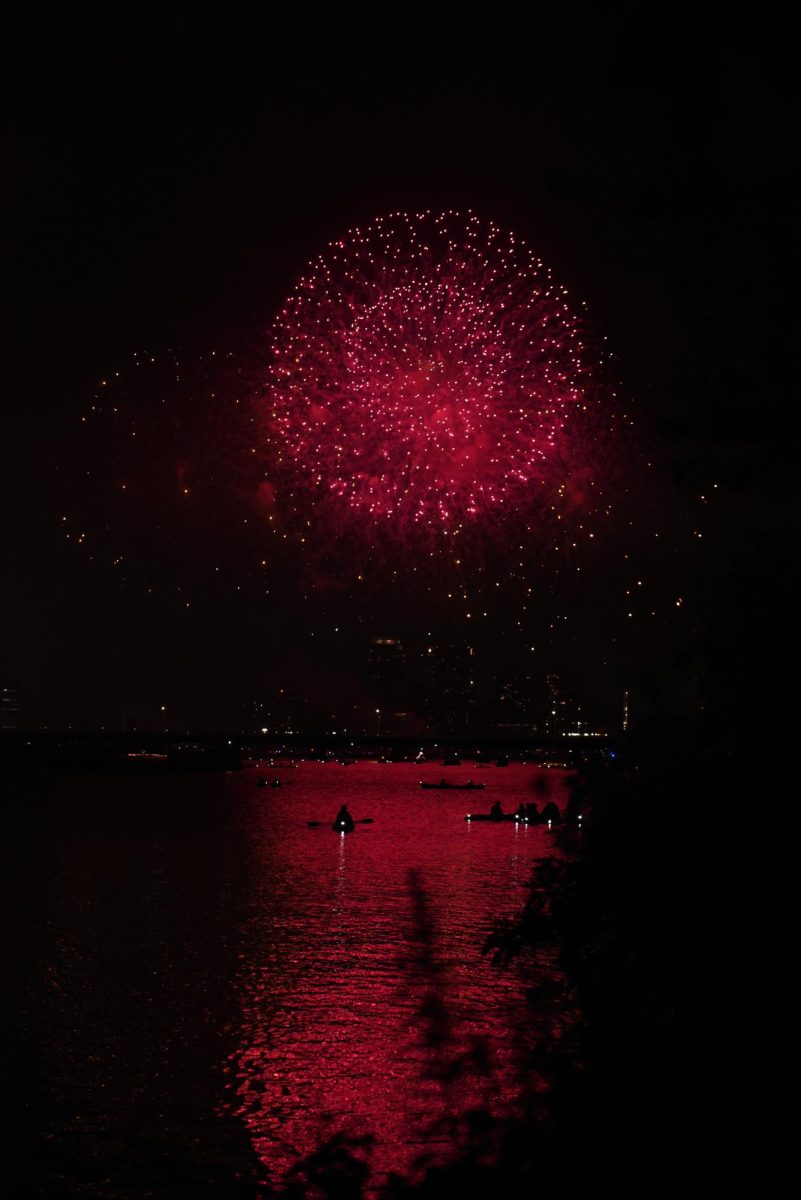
x,y
170,175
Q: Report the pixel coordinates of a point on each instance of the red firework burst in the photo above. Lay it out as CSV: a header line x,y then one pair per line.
x,y
425,373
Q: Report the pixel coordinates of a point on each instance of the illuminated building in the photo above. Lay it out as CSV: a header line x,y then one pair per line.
x,y
514,700
386,661
563,713
450,686
9,705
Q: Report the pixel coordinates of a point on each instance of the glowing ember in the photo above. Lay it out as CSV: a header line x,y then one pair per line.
x,y
424,373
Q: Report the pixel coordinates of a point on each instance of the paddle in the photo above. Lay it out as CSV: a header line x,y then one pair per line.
x,y
320,824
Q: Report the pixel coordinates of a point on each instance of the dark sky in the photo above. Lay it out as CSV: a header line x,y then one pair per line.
x,y
170,172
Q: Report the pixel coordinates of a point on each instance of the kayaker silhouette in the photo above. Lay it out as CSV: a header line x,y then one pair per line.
x,y
344,821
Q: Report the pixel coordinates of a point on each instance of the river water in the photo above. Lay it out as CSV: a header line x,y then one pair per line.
x,y
208,990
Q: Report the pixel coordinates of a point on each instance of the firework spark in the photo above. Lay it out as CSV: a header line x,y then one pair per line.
x,y
156,482
425,375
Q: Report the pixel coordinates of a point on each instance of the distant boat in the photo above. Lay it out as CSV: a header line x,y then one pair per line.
x,y
444,786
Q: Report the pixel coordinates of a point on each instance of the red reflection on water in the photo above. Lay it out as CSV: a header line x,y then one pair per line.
x,y
368,1009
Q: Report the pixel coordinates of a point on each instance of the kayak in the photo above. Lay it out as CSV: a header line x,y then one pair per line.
x,y
341,826
457,787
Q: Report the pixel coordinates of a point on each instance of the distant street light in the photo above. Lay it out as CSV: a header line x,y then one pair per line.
x,y
378,722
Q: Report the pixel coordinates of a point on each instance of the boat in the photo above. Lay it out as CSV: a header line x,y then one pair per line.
x,y
457,787
489,817
515,816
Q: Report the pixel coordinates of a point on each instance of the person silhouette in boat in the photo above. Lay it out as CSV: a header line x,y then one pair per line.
x,y
532,813
496,812
344,821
